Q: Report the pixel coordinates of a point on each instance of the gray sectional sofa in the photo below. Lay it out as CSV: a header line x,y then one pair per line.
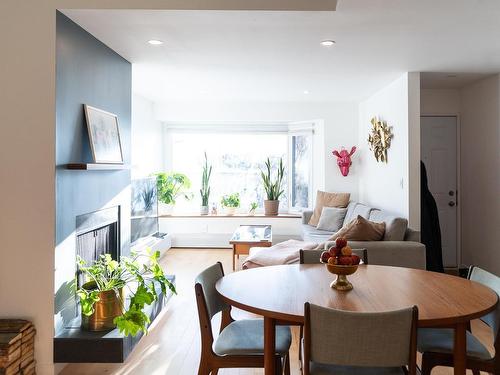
x,y
399,247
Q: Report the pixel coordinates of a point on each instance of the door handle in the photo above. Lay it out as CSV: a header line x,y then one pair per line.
x,y
451,203
451,193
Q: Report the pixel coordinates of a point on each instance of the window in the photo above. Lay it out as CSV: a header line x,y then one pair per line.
x,y
237,158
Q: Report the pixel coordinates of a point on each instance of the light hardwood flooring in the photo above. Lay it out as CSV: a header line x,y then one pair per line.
x,y
173,344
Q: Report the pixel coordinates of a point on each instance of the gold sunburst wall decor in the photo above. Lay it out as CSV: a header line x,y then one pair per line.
x,y
380,139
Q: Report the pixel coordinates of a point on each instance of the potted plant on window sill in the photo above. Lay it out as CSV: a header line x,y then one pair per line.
x,y
272,187
205,187
101,298
253,208
230,203
171,186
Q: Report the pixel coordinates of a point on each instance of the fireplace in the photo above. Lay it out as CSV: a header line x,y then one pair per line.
x,y
97,233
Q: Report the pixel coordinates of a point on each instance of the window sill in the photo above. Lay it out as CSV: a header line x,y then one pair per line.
x,y
235,216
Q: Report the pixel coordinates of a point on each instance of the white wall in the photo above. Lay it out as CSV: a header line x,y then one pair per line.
x,y
439,101
340,127
394,185
147,139
480,173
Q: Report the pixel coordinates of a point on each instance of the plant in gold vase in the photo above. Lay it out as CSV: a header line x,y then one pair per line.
x,y
102,300
273,187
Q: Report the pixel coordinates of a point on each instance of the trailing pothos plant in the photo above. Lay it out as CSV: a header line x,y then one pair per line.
x,y
140,278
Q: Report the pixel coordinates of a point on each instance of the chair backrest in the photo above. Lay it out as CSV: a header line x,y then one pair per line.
x,y
385,339
313,256
493,282
205,282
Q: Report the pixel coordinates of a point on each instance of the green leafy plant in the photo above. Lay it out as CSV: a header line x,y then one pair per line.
x,y
141,278
253,206
205,182
273,186
171,186
231,200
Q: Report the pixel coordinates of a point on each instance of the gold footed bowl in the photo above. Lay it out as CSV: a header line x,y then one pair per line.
x,y
341,283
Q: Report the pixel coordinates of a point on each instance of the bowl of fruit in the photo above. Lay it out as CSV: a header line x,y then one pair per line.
x,y
340,261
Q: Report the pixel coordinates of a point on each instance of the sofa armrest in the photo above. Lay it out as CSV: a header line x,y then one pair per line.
x,y
412,235
408,254
306,216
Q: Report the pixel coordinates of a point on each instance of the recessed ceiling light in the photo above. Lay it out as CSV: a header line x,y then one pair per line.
x,y
306,92
327,43
155,42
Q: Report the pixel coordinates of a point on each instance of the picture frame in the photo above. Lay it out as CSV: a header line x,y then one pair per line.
x,y
104,135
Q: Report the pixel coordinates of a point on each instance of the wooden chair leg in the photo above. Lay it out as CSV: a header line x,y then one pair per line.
x,y
427,364
214,372
279,365
287,364
203,369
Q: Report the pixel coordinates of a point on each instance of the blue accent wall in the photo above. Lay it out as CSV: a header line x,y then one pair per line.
x,y
87,72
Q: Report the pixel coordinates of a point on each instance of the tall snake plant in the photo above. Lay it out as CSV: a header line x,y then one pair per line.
x,y
205,182
273,187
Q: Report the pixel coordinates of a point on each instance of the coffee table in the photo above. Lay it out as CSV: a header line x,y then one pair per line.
x,y
247,236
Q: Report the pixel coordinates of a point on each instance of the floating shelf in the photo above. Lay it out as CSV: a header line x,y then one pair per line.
x,y
74,345
96,166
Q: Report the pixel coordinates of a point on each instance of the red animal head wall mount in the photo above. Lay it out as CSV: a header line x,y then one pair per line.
x,y
344,159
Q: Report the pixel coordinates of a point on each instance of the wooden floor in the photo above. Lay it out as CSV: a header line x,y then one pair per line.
x,y
173,344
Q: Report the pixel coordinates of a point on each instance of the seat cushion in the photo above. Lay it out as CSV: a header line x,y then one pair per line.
x,y
247,337
441,341
320,369
395,227
310,233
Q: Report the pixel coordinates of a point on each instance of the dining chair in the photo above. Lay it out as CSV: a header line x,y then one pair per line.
x,y
240,343
436,344
313,256
346,342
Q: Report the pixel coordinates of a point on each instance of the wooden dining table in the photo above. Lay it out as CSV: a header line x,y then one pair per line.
x,y
278,293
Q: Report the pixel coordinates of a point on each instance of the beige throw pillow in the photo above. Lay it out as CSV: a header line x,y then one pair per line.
x,y
361,229
324,199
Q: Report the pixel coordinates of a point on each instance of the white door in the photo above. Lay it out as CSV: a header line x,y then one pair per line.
x,y
439,154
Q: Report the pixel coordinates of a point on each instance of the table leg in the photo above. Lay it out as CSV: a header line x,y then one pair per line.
x,y
269,346
460,349
234,253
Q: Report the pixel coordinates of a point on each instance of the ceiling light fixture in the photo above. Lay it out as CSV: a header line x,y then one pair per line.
x,y
155,42
327,43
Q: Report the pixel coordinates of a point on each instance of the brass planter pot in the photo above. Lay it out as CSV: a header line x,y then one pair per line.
x,y
271,208
106,310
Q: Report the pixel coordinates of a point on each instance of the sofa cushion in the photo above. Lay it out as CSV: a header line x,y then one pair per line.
x,y
331,219
395,227
361,229
312,234
325,199
356,209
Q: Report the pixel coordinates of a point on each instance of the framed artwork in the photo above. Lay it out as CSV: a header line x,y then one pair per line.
x,y
104,135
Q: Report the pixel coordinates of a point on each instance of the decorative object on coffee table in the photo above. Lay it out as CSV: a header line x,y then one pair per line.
x,y
380,139
17,347
205,186
341,261
272,188
344,159
104,135
247,236
230,202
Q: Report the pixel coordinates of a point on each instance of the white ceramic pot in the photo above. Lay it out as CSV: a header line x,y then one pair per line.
x,y
165,209
203,210
230,210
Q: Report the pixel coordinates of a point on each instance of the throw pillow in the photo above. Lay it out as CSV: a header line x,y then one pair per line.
x,y
331,218
361,229
324,199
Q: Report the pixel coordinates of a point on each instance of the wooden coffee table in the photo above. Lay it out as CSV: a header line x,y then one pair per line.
x,y
247,236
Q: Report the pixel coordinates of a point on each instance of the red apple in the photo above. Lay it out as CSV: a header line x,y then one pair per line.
x,y
345,261
340,242
334,251
325,255
355,259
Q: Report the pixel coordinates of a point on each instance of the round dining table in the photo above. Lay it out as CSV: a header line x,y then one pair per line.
x,y
278,293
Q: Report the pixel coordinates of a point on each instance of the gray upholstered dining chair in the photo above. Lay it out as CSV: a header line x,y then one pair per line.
x,y
240,343
313,256
436,344
345,342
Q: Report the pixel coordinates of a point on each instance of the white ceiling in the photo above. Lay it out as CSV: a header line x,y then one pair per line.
x,y
276,56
